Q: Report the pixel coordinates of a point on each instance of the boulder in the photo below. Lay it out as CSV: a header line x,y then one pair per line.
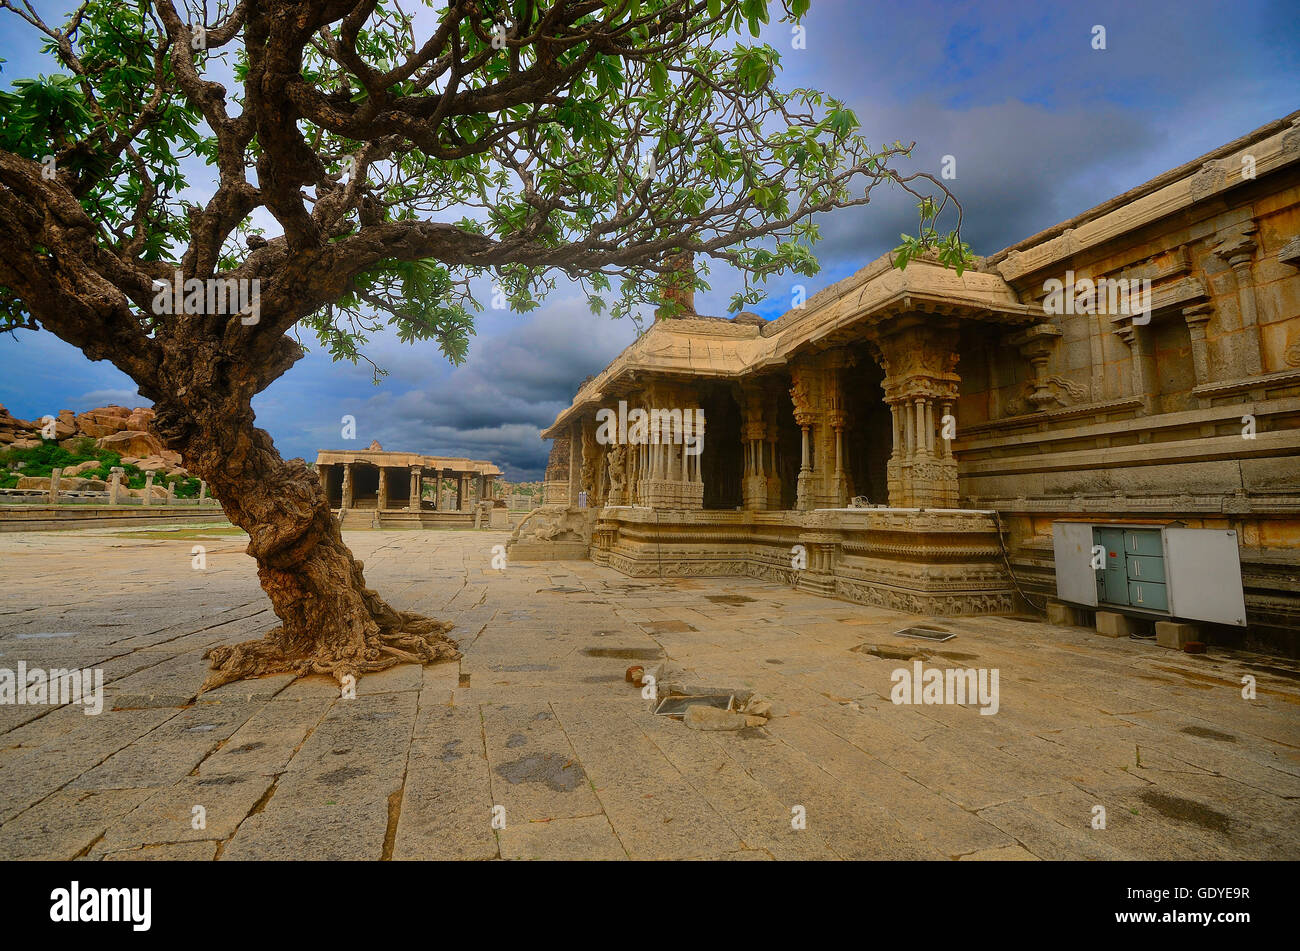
x,y
132,443
151,464
104,421
700,716
141,419
81,485
159,492
26,444
89,424
10,422
81,467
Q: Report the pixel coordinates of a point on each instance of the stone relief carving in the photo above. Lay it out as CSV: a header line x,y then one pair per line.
x,y
590,451
616,462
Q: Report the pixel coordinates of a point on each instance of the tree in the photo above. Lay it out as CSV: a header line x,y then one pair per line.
x,y
398,157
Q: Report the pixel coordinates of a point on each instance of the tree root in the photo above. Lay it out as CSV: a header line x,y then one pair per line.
x,y
396,637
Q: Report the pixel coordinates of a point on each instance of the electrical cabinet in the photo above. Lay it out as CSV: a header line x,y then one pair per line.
x,y
1194,574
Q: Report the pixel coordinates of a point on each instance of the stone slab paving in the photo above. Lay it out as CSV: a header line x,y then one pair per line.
x,y
534,746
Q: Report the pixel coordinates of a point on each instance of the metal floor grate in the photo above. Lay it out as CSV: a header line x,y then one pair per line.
x,y
925,634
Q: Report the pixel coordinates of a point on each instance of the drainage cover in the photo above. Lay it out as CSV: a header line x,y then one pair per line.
x,y
676,706
925,633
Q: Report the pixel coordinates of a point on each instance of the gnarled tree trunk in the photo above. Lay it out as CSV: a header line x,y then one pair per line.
x,y
330,622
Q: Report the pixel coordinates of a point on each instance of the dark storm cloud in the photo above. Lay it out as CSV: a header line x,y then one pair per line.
x,y
1019,169
521,372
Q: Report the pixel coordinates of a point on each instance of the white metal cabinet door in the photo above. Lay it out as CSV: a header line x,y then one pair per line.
x,y
1203,568
1076,581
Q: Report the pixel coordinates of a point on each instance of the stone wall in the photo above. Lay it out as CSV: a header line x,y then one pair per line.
x,y
1193,417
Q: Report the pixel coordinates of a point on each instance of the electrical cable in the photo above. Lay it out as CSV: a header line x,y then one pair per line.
x,y
1006,558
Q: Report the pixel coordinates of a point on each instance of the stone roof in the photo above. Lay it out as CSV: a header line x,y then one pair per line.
x,y
709,347
398,460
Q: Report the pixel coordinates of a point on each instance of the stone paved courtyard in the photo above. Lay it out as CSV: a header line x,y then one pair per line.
x,y
538,719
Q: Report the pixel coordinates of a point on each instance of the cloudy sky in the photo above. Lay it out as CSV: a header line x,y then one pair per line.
x,y
1041,125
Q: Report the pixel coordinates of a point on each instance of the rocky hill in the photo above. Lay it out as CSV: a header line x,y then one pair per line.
x,y
128,432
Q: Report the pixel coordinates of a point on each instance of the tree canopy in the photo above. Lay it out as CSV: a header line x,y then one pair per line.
x,y
370,162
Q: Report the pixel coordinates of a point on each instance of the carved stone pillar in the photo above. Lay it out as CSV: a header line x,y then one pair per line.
x,y
673,477
381,500
801,397
841,485
203,491
115,485
771,421
919,356
55,475
575,462
555,488
148,488
590,474
755,436
617,462
947,443
417,477
346,501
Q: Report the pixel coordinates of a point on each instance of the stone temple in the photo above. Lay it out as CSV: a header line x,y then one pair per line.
x,y
391,486
950,445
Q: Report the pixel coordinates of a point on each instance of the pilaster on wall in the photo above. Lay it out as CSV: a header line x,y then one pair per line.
x,y
919,356
1142,368
1036,344
1237,250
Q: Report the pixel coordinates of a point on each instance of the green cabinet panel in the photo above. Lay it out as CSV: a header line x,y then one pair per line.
x,y
1143,541
1145,594
1112,581
1146,568
1134,572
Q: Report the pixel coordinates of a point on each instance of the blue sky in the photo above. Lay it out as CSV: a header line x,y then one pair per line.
x,y
1042,126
